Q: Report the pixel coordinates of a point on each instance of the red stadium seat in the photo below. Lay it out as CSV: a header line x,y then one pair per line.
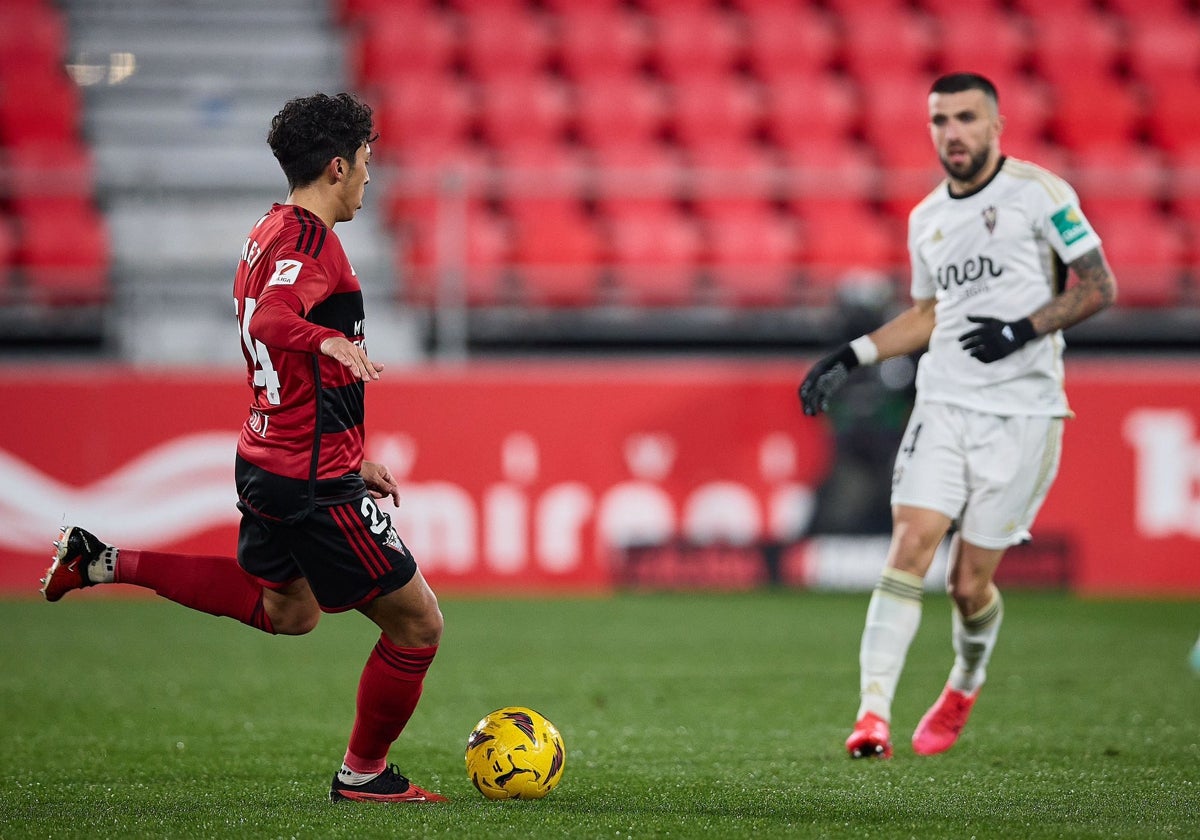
x,y
33,37
599,40
619,110
508,40
356,11
64,255
746,158
1035,9
983,39
488,245
524,109
557,250
885,39
8,255
472,7
1133,9
655,251
405,39
833,175
752,253
791,41
895,110
538,185
554,164
707,110
734,174
1184,184
471,262
691,41
812,107
1173,113
429,153
637,174
8,240
835,244
1121,180
1164,49
1089,111
1147,254
420,109
1069,43
47,175
420,191
42,107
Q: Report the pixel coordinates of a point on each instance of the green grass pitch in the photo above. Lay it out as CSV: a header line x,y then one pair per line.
x,y
697,715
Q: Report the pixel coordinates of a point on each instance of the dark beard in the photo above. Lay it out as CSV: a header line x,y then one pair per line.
x,y
973,168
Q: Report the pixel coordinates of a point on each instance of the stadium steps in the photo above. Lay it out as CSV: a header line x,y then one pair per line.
x,y
182,166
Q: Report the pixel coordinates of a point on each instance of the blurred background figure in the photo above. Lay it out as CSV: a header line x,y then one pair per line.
x,y
868,420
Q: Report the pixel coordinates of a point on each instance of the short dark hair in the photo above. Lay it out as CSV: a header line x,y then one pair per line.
x,y
312,130
960,82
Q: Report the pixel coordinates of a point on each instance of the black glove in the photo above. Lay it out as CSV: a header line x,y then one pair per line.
x,y
994,339
825,378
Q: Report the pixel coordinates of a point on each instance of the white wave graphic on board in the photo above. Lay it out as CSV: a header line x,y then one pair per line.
x,y
169,492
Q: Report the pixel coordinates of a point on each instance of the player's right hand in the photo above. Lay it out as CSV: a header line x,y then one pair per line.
x,y
825,378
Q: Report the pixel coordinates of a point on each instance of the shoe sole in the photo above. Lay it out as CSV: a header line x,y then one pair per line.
x,y
933,749
876,751
338,796
60,552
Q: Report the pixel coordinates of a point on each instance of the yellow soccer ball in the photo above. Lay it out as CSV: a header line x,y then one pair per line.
x,y
515,753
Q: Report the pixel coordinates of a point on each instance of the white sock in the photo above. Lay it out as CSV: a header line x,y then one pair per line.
x,y
103,568
974,638
349,777
893,617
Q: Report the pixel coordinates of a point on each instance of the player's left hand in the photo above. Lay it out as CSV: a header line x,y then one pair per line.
x,y
380,482
994,339
353,355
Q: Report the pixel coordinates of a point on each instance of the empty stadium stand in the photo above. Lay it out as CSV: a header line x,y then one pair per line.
x,y
180,160
828,97
563,171
54,248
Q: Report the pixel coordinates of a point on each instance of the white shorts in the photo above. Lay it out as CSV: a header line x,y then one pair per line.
x,y
987,472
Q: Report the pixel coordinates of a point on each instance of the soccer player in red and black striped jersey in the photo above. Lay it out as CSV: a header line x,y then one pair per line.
x,y
313,536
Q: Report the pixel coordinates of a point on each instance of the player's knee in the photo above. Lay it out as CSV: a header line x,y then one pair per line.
x,y
430,625
912,549
296,622
410,626
968,593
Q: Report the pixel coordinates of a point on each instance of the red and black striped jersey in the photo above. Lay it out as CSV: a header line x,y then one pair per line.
x,y
293,289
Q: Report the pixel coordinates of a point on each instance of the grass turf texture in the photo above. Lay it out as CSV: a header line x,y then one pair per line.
x,y
683,716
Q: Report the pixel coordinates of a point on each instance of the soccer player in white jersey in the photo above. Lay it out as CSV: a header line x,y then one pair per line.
x,y
989,250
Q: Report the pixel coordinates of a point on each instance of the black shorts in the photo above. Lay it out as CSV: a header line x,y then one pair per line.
x,y
349,552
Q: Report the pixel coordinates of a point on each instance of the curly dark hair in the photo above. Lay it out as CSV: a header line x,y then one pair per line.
x,y
312,130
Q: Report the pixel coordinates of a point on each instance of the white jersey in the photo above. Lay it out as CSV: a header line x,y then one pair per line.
x,y
999,252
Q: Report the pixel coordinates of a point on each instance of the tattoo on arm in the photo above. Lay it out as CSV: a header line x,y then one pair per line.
x,y
1095,290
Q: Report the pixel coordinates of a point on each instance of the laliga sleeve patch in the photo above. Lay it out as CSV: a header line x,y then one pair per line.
x,y
1070,224
286,273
